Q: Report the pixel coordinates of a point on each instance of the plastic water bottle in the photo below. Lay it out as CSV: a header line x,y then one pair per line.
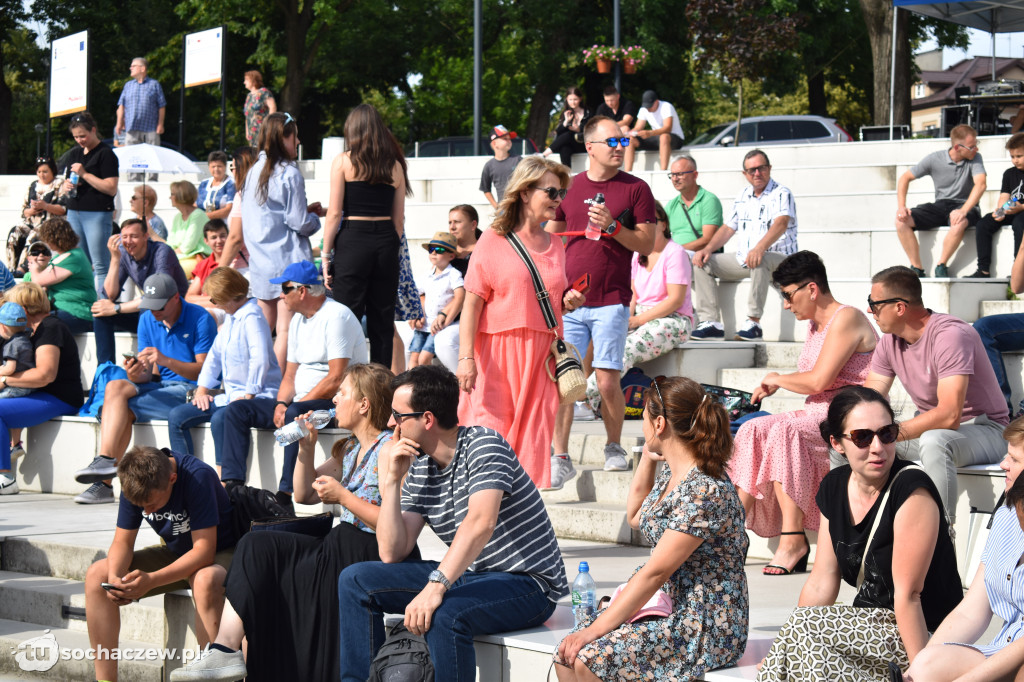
x,y
73,192
294,431
594,230
1001,211
584,595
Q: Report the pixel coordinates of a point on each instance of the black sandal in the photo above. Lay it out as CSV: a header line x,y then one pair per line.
x,y
801,564
895,674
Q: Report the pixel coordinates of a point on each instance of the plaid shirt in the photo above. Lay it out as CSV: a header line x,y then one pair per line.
x,y
142,103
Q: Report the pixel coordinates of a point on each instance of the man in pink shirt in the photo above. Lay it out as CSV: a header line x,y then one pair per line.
x,y
941,363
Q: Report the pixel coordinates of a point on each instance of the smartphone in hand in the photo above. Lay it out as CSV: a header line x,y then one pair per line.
x,y
582,284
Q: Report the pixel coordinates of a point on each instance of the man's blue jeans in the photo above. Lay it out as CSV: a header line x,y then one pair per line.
x,y
103,329
1001,333
187,416
479,603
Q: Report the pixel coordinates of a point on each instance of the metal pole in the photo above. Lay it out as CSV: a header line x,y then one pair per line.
x,y
49,118
477,68
181,107
223,101
892,74
617,38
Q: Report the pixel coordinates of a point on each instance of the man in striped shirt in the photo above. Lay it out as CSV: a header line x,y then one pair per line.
x,y
503,569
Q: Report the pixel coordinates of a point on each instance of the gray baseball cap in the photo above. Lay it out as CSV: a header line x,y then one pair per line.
x,y
157,290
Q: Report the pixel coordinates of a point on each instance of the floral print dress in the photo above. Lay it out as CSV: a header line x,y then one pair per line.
x,y
708,628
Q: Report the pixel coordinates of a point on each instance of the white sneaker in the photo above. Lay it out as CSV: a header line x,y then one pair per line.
x,y
8,485
562,470
212,664
615,458
581,412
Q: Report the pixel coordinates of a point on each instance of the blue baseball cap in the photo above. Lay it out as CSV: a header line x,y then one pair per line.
x,y
12,314
302,272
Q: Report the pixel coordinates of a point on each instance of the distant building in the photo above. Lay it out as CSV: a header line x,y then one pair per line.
x,y
937,88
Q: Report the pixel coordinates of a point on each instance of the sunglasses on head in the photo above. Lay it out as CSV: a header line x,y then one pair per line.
x,y
613,142
553,192
438,249
863,437
287,118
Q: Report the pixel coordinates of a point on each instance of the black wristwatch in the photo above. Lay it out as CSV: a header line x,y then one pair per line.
x,y
437,576
117,308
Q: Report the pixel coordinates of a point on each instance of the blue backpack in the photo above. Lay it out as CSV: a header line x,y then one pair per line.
x,y
634,386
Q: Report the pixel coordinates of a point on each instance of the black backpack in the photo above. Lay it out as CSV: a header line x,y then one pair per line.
x,y
404,657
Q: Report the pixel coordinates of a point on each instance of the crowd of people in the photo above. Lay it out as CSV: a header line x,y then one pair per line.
x,y
239,327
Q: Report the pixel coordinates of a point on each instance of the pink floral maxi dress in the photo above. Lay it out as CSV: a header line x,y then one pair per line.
x,y
788,447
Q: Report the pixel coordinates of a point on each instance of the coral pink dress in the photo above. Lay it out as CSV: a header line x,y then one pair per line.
x,y
788,447
513,393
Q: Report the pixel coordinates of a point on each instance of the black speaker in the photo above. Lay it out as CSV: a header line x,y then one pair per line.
x,y
954,116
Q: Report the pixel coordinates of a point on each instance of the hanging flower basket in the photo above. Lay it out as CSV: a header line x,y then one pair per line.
x,y
634,58
629,66
595,55
604,66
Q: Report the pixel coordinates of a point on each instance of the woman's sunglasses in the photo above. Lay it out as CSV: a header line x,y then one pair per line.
x,y
863,437
553,192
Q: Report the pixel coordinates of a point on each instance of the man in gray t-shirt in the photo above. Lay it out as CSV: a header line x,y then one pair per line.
x,y
959,177
502,571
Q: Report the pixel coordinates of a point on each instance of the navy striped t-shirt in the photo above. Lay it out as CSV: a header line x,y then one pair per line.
x,y
523,540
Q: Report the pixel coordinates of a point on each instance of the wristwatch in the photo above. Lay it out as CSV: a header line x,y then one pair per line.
x,y
3,380
117,308
437,576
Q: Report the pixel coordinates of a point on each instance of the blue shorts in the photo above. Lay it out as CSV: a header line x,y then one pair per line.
x,y
422,342
607,326
156,399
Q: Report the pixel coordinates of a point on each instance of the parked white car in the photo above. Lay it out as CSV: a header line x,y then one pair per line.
x,y
768,130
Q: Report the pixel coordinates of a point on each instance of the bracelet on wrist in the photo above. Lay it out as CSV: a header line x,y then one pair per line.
x,y
281,402
468,357
443,314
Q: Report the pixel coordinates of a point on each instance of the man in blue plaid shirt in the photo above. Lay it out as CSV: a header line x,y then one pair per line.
x,y
141,109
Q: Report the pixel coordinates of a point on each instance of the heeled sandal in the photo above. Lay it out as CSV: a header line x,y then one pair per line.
x,y
801,564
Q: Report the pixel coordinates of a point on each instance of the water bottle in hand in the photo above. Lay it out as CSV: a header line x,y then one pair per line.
x,y
584,596
294,431
1001,211
594,230
73,192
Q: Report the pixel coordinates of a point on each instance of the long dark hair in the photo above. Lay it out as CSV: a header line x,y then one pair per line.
x,y
244,158
275,128
573,90
373,148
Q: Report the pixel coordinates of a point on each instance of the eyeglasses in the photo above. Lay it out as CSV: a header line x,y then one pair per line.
x,y
873,305
864,437
438,249
762,169
285,289
972,148
399,416
787,296
613,142
553,192
680,174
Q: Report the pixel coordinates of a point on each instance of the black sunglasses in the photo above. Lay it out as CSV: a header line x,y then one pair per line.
x,y
399,416
288,289
613,142
438,249
553,192
863,437
788,295
39,250
873,305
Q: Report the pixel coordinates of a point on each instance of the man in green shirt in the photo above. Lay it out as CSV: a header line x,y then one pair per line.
x,y
696,213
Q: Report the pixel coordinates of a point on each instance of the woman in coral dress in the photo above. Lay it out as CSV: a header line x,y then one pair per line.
x,y
779,460
503,341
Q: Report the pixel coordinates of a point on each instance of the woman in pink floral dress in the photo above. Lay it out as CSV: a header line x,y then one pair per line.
x,y
779,460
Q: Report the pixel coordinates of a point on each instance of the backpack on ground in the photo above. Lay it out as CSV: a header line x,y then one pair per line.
x,y
634,386
404,657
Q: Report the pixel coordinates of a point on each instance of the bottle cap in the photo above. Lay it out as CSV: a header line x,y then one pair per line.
x,y
584,567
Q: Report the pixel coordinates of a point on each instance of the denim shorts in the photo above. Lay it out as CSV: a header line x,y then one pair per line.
x,y
156,399
606,326
422,342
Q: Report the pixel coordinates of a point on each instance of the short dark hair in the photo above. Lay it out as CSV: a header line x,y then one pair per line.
x,y
800,267
751,154
135,221
592,124
82,119
213,225
142,471
48,162
217,156
1016,141
901,282
610,90
843,403
434,390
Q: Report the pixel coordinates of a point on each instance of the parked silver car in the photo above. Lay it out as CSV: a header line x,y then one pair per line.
x,y
768,130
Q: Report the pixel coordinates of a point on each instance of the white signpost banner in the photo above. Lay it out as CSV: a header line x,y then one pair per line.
x,y
203,57
69,74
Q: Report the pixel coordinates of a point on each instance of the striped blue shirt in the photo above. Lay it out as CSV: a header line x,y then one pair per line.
x,y
523,540
1004,578
142,103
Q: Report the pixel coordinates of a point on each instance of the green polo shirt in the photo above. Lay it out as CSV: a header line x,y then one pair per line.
x,y
705,210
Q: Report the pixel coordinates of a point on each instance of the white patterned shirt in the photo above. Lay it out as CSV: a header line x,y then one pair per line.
x,y
752,217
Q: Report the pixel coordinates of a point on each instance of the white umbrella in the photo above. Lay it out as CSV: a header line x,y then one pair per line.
x,y
149,158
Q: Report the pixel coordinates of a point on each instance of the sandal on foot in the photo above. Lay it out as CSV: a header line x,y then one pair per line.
x,y
801,564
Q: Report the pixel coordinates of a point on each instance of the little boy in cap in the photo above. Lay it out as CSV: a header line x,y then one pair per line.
x,y
498,170
18,353
438,332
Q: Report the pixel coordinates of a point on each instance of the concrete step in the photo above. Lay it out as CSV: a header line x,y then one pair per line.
x,y
593,484
596,521
1001,307
702,360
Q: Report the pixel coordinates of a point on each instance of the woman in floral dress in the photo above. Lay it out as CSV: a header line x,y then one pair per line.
x,y
259,104
691,514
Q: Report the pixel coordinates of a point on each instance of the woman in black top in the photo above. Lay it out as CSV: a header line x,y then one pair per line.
x,y
91,202
919,584
572,121
56,376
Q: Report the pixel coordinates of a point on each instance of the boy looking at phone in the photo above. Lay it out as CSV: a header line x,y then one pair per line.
x,y
183,501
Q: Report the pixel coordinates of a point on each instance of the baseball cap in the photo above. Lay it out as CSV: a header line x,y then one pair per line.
x,y
302,272
157,290
649,98
444,239
502,131
12,314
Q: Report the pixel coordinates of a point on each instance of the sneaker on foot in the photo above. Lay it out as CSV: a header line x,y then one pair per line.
x,y
941,270
17,451
8,485
581,412
562,470
100,469
918,271
615,458
212,664
750,331
978,274
98,493
708,331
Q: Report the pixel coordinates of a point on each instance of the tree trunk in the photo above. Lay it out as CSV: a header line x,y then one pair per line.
x,y
6,100
539,120
816,103
878,16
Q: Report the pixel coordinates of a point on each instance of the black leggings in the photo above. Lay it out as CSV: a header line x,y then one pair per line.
x,y
566,145
986,229
366,279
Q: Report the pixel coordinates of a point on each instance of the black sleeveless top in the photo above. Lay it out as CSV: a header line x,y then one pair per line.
x,y
365,200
